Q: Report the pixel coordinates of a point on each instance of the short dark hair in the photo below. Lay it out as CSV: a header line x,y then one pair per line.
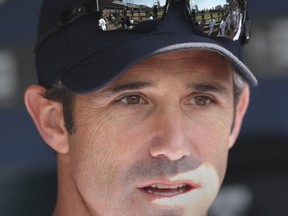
x,y
61,94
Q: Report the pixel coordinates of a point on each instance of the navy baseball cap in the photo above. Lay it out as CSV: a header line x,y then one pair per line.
x,y
85,58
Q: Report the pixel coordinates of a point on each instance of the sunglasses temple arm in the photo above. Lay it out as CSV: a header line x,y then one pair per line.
x,y
247,24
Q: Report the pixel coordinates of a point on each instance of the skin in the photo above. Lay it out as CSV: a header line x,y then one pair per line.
x,y
167,120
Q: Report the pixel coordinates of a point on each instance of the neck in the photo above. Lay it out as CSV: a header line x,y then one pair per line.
x,y
69,200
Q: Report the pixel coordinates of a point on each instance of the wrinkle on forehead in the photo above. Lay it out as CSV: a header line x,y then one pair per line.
x,y
203,58
183,60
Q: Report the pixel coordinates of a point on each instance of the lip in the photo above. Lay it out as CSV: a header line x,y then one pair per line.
x,y
167,189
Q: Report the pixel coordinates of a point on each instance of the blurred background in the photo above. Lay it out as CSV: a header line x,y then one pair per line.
x,y
257,175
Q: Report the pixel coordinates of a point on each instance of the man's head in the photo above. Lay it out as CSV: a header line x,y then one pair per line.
x,y
148,138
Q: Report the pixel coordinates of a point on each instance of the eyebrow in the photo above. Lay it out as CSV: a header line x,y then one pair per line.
x,y
129,86
202,87
206,87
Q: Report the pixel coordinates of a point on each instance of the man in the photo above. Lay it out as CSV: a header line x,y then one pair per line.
x,y
141,120
212,23
102,24
222,27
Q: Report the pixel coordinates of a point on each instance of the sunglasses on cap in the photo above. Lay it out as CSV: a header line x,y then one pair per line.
x,y
210,18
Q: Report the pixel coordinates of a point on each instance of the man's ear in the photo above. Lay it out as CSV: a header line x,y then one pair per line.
x,y
48,118
240,111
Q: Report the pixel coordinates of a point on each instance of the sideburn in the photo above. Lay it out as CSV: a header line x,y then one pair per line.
x,y
68,107
60,94
237,91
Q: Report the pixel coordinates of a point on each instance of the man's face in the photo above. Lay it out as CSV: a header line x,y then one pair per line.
x,y
155,141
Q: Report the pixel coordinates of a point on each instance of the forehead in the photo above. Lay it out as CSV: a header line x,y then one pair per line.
x,y
196,64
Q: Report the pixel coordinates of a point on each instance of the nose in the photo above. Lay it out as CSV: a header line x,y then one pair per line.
x,y
171,138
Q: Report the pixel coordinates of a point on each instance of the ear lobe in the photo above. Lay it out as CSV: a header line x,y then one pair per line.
x,y
48,118
241,109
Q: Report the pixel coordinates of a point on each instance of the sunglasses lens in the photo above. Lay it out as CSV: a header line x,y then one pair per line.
x,y
214,18
218,18
126,14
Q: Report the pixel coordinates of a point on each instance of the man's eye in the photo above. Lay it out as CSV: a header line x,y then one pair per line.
x,y
202,100
133,100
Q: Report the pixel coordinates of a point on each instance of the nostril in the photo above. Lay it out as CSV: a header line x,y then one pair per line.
x,y
168,152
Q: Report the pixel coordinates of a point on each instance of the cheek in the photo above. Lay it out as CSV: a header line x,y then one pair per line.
x,y
212,136
101,149
107,134
91,152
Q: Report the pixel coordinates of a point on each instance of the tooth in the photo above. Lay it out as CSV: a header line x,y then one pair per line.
x,y
150,191
162,186
167,186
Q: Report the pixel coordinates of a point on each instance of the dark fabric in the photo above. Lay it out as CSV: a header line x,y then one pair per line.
x,y
85,58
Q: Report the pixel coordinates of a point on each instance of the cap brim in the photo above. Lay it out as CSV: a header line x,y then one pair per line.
x,y
90,75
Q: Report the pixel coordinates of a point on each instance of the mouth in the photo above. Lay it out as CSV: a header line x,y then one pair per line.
x,y
163,190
